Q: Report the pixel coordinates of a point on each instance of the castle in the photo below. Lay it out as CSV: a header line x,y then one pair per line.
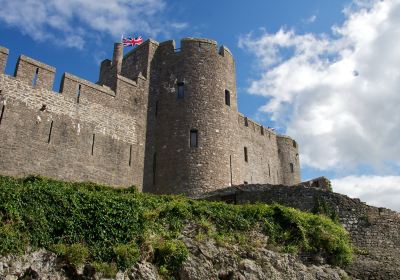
x,y
160,118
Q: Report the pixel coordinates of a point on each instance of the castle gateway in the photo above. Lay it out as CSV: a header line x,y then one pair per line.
x,y
160,118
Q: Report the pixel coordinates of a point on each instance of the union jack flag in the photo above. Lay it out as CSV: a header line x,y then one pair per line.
x,y
132,41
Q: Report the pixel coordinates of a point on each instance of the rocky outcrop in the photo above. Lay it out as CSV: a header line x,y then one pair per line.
x,y
207,260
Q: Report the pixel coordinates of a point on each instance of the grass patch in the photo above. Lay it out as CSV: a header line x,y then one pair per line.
x,y
87,222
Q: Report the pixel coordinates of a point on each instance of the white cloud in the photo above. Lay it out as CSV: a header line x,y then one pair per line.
x,y
71,23
380,191
339,94
311,19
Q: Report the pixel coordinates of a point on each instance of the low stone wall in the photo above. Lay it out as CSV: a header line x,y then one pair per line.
x,y
374,232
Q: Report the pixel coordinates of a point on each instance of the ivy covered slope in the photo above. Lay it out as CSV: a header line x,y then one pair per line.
x,y
115,228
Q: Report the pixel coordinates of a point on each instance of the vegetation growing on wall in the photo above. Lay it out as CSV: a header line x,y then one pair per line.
x,y
85,222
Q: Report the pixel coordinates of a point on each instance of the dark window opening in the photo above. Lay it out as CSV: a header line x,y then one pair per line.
x,y
2,113
130,155
269,171
262,130
43,108
194,138
78,93
51,129
245,182
294,144
181,91
154,168
246,121
246,158
297,157
292,167
227,98
35,78
93,143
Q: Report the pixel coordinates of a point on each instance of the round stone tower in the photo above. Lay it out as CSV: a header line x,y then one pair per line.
x,y
195,107
288,152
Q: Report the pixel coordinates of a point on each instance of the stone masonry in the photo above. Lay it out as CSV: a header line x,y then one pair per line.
x,y
160,118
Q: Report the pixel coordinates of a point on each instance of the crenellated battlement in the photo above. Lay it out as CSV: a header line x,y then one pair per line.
x,y
3,58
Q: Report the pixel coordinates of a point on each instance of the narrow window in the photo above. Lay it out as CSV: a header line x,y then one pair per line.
x,y
291,167
35,78
2,113
246,122
51,129
181,92
130,155
154,168
294,144
93,143
194,138
269,171
246,159
230,168
78,93
262,130
227,98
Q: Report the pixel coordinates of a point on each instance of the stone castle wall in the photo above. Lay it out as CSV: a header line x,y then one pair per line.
x,y
86,132
374,232
132,128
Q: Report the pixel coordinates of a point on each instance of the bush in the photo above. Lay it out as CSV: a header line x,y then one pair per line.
x,y
169,255
77,254
11,240
126,255
107,270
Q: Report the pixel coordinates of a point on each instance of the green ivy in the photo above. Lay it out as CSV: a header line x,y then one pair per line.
x,y
86,222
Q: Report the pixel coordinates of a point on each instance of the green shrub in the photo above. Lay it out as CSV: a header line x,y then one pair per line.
x,y
11,240
107,270
169,255
126,254
77,254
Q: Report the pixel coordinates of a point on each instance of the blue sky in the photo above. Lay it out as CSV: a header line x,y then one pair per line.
x,y
323,72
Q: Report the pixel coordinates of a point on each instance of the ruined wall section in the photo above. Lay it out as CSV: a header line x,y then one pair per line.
x,y
84,133
205,73
374,232
263,163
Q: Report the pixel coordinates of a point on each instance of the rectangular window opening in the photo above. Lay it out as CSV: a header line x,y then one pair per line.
x,y
35,78
245,182
246,158
78,93
194,138
93,143
294,144
246,122
227,98
269,171
130,155
51,129
292,167
3,108
181,91
262,130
